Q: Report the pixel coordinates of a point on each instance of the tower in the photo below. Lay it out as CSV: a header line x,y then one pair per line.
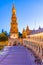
x,y
24,33
14,24
27,31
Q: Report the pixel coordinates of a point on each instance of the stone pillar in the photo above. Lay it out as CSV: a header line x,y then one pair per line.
x,y
38,50
42,51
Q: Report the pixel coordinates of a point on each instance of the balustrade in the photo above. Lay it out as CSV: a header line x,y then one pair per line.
x,y
35,45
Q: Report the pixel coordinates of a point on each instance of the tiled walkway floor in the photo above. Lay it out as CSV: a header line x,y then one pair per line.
x,y
17,55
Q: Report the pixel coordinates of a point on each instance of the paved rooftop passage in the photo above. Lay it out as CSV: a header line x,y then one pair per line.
x,y
16,55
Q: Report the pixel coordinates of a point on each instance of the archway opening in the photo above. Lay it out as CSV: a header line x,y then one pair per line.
x,y
14,44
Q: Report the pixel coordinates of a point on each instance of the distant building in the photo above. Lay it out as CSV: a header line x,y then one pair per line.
x,y
39,30
28,31
37,34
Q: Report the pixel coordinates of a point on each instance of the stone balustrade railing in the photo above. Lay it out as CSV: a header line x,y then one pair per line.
x,y
35,45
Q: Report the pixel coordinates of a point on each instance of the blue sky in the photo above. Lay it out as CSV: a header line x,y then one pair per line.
x,y
28,12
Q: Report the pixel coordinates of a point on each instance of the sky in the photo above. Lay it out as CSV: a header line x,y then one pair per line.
x,y
28,12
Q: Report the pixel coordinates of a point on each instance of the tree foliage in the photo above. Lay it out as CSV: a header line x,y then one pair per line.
x,y
20,35
3,36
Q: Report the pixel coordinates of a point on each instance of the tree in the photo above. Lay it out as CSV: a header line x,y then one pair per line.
x,y
2,30
3,36
20,35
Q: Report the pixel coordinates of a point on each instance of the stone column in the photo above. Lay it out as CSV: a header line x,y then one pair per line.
x,y
42,51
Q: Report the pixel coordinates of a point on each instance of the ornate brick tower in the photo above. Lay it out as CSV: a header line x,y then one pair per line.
x,y
27,31
24,33
14,24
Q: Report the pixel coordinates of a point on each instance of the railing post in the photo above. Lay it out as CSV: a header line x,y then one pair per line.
x,y
42,51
